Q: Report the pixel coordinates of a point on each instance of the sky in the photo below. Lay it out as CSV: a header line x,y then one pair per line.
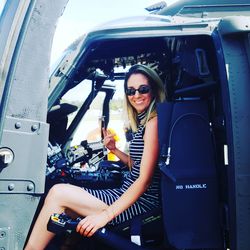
x,y
82,15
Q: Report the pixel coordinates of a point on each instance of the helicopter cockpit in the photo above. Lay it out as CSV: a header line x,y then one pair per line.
x,y
189,70
51,121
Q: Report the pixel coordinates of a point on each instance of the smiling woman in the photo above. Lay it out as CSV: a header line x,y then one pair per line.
x,y
140,190
143,87
138,92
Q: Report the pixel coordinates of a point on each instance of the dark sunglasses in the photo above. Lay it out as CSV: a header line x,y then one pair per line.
x,y
143,89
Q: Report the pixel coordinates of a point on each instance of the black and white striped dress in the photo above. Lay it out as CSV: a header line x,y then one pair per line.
x,y
150,199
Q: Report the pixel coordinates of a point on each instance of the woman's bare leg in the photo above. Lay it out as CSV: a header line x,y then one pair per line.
x,y
60,198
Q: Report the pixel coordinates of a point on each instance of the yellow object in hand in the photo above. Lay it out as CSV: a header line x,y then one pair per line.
x,y
112,131
111,156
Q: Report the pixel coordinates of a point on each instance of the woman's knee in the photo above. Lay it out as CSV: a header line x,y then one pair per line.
x,y
57,193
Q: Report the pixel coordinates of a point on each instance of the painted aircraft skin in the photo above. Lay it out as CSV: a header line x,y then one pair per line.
x,y
201,50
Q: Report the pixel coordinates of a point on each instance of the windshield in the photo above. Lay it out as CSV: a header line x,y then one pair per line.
x,y
76,96
89,128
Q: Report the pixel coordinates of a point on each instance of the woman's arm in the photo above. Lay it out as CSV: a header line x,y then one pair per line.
x,y
121,155
148,164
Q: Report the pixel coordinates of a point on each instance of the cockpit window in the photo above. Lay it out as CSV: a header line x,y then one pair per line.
x,y
89,127
76,96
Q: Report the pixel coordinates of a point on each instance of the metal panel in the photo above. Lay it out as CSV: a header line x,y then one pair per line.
x,y
11,22
4,237
24,78
28,141
235,49
234,25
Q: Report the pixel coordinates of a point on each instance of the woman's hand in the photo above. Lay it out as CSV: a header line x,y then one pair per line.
x,y
90,224
109,139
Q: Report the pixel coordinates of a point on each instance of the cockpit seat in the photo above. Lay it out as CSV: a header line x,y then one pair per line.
x,y
146,229
189,177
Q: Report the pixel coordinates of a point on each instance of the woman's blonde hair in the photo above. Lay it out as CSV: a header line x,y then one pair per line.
x,y
157,90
